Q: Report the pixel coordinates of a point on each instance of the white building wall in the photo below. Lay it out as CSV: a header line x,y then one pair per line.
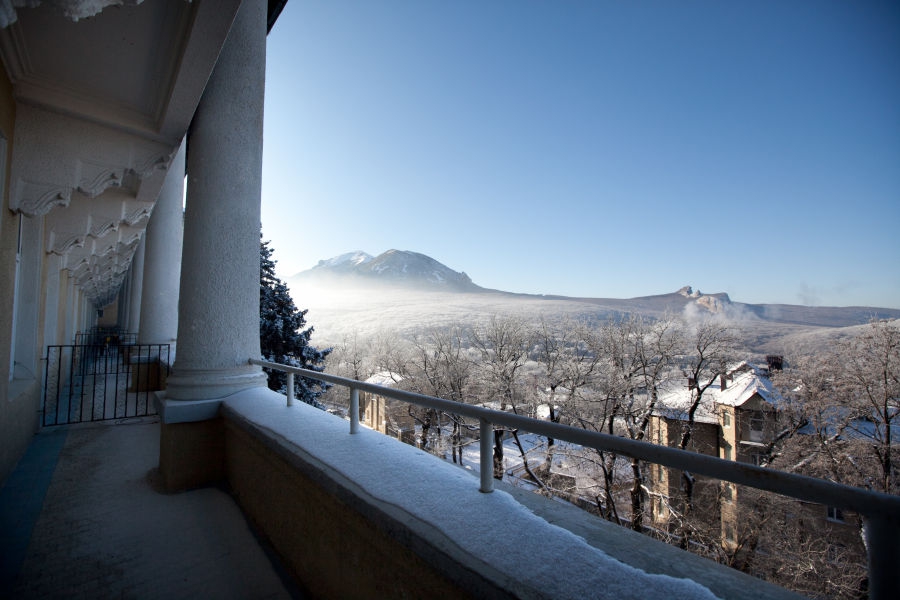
x,y
28,291
50,301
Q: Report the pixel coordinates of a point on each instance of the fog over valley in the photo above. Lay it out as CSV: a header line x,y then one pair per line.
x,y
406,292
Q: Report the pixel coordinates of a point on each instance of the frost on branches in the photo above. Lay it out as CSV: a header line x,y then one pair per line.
x,y
282,337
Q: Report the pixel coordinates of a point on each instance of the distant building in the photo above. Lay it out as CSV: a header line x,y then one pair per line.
x,y
390,417
737,419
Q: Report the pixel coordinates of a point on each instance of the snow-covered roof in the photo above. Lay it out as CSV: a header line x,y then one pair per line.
x,y
385,378
743,382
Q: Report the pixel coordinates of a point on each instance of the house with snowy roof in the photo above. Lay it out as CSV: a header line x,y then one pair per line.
x,y
737,419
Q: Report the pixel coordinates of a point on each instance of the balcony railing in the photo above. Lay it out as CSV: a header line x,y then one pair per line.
x,y
880,512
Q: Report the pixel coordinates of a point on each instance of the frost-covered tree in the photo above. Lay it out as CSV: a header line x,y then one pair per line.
x,y
440,366
282,336
503,345
709,347
845,402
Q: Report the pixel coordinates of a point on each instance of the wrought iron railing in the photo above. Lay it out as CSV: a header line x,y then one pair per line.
x,y
105,336
880,512
97,382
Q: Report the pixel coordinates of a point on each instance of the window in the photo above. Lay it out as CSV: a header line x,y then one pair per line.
x,y
757,420
757,459
730,533
727,491
727,453
757,424
726,418
835,514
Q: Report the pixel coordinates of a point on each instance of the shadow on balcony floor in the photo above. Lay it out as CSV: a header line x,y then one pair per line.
x,y
101,529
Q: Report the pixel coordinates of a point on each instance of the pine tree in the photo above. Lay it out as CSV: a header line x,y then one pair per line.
x,y
282,336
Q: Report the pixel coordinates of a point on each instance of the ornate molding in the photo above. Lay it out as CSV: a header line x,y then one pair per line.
x,y
44,197
136,211
60,245
100,265
94,179
71,9
56,155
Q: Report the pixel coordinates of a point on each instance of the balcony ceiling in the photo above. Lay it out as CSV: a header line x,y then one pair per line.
x,y
104,96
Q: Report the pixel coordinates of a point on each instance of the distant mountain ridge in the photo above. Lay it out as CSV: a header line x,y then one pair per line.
x,y
394,268
345,262
405,291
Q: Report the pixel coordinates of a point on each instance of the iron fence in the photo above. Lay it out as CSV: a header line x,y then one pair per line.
x,y
97,382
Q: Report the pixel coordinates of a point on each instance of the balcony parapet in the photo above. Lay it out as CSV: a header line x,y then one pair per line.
x,y
344,508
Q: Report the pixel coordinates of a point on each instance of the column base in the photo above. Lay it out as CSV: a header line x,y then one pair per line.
x,y
213,384
172,411
191,455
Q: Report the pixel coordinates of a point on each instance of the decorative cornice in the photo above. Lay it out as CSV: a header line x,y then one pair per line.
x,y
44,196
95,179
71,9
59,245
57,155
87,218
99,267
104,228
136,211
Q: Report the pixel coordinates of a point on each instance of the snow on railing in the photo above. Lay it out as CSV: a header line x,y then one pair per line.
x,y
880,512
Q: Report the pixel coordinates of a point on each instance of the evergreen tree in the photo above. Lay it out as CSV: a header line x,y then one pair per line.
x,y
282,337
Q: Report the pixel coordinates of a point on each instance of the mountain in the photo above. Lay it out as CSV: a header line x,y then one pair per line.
x,y
344,263
394,269
406,292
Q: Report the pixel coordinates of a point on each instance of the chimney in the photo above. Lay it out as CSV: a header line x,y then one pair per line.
x,y
692,383
723,381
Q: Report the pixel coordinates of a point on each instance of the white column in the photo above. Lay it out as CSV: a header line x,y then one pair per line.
x,y
88,313
51,300
123,300
218,308
162,261
137,282
71,311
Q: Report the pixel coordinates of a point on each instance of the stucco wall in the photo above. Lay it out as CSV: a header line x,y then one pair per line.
x,y
323,539
8,232
18,402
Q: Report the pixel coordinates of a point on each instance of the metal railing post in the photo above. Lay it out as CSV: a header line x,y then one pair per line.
x,y
290,389
354,410
883,548
486,458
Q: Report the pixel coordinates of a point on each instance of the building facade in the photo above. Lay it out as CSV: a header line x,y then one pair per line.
x,y
738,419
104,110
384,415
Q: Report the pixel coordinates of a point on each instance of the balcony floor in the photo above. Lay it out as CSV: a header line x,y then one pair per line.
x,y
81,517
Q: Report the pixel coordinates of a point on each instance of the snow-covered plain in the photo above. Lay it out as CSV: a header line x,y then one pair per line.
x,y
342,307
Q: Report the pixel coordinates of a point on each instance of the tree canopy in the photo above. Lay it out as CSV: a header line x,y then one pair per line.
x,y
283,335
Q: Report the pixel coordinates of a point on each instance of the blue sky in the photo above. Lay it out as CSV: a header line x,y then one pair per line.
x,y
588,148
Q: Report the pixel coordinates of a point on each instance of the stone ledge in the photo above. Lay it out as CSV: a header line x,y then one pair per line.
x,y
510,542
